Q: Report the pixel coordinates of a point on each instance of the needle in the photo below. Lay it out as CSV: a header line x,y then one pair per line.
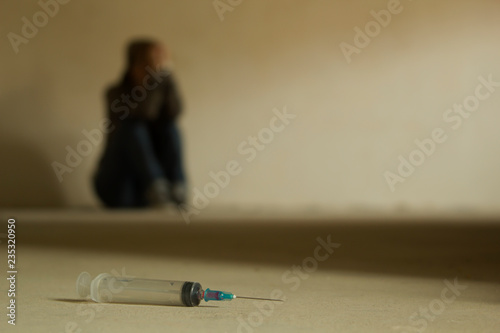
x,y
217,295
260,299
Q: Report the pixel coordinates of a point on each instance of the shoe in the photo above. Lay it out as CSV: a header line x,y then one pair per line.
x,y
158,194
178,193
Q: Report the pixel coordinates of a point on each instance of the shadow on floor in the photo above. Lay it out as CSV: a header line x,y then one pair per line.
x,y
422,248
26,177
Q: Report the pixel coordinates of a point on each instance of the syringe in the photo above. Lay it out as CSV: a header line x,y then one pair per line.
x,y
114,289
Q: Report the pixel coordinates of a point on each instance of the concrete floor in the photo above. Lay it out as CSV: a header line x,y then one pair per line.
x,y
384,275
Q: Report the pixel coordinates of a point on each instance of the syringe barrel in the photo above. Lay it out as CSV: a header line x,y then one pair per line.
x,y
108,288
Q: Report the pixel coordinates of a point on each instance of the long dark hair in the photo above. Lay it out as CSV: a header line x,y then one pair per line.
x,y
137,53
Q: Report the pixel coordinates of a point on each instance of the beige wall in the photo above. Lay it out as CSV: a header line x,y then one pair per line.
x,y
352,120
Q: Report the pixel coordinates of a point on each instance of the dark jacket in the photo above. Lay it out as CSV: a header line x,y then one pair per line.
x,y
157,100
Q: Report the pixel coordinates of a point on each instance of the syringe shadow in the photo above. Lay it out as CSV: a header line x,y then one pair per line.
x,y
85,301
70,300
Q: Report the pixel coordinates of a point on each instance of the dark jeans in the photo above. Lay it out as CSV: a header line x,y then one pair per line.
x,y
137,154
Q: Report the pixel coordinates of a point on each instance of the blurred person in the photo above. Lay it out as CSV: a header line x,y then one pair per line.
x,y
141,165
